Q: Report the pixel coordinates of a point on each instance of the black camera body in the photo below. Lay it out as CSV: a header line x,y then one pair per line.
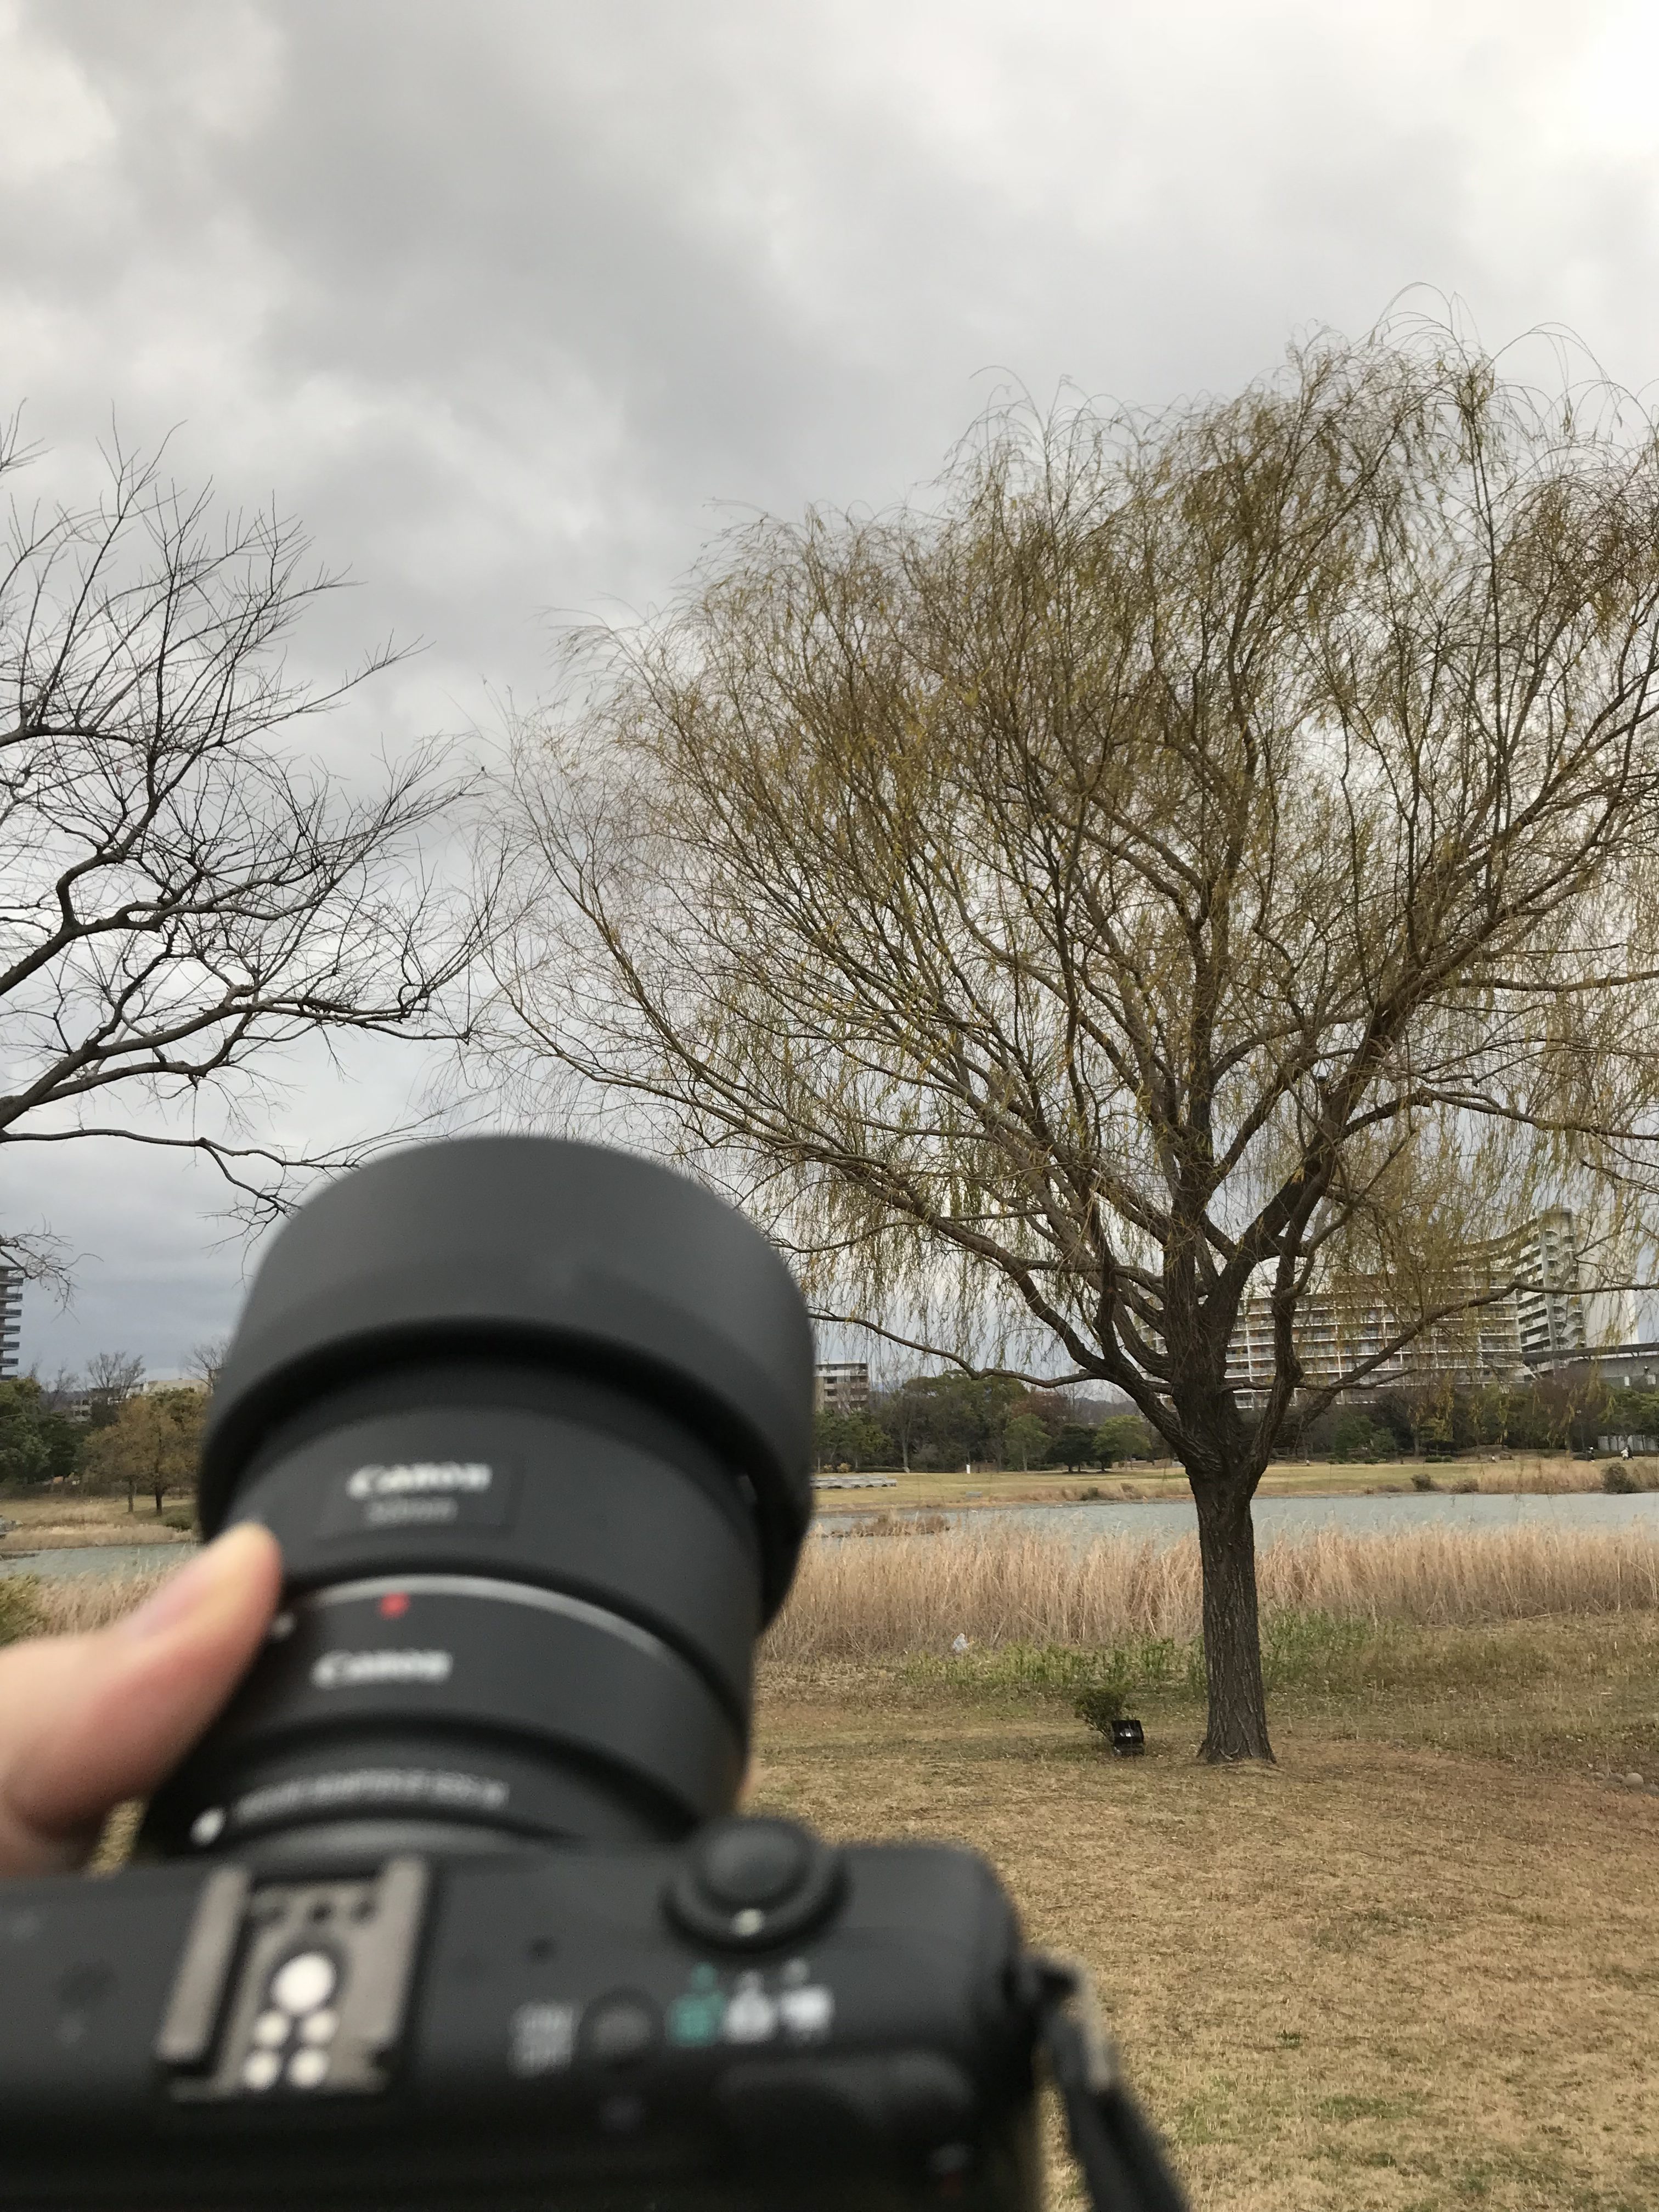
x,y
524,2028
449,1908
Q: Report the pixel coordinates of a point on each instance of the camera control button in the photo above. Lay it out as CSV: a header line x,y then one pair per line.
x,y
791,2113
754,1862
752,2016
618,2029
808,2012
746,1885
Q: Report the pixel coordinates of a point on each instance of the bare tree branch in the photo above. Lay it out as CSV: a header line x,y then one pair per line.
x,y
182,899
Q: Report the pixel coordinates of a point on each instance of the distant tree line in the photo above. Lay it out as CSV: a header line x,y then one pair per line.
x,y
939,1421
932,1422
120,1437
1444,1421
104,1436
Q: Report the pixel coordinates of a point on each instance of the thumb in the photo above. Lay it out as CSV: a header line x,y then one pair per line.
x,y
86,1721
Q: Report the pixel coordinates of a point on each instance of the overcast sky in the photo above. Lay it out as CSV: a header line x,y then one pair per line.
x,y
515,301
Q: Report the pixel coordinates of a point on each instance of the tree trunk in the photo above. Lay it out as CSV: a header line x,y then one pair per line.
x,y
1232,1645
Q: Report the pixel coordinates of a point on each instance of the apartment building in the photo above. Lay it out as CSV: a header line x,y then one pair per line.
x,y
11,1318
1543,1257
1341,1329
840,1387
1541,1321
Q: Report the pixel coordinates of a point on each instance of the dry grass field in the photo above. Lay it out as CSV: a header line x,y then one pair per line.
x,y
60,1523
1382,1974
1414,1964
38,1605
874,1601
1549,1474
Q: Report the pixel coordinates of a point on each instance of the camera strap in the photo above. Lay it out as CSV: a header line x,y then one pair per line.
x,y
1123,2165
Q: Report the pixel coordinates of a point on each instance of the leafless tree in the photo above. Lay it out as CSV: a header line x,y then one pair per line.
x,y
65,1386
1201,859
180,899
112,1377
204,1359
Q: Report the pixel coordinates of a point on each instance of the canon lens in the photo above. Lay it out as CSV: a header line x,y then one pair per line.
x,y
530,1420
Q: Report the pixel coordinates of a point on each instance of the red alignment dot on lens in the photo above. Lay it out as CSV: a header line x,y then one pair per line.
x,y
394,1605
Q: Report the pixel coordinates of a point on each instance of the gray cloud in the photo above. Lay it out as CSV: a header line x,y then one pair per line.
x,y
507,300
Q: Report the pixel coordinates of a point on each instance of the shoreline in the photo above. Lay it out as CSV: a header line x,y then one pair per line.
x,y
957,1490
19,1547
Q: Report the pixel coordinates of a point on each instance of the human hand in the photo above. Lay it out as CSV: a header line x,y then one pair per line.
x,y
87,1721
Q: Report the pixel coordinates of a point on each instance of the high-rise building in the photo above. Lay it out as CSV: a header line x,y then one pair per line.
x,y
1339,1329
1543,1258
11,1318
1541,1318
840,1387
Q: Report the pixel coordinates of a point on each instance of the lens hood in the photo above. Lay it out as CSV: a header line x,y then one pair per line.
x,y
570,1257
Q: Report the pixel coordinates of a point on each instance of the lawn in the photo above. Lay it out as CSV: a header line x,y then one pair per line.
x,y
65,1519
1413,1966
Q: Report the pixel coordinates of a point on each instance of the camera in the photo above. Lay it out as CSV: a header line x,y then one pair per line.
x,y
450,1908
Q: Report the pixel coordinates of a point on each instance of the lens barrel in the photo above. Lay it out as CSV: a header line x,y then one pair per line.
x,y
530,1420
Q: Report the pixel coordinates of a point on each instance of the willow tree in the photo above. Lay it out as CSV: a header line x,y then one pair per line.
x,y
1193,860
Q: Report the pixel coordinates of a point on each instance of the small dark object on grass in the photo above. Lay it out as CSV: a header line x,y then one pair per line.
x,y
1103,1708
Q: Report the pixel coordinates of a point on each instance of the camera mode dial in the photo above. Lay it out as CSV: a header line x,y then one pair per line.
x,y
748,1884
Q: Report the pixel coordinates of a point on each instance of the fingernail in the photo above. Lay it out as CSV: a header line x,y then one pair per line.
x,y
182,1593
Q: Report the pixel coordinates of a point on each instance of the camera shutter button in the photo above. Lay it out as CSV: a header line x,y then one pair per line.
x,y
747,1884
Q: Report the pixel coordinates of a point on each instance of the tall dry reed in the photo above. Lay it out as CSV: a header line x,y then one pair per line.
x,y
876,1601
880,1600
65,1604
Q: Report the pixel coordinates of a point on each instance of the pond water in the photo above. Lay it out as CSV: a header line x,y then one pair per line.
x,y
1164,1522
1161,1521
98,1559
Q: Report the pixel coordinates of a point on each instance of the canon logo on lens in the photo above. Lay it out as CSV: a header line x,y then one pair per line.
x,y
352,1670
468,1476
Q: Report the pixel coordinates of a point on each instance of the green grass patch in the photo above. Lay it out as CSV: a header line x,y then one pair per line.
x,y
1299,1651
1578,1690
